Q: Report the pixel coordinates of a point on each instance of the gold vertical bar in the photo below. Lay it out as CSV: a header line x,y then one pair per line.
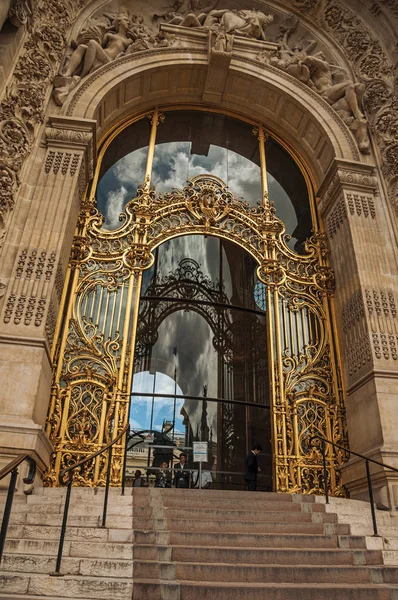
x,y
271,363
262,138
60,322
134,331
298,337
120,309
106,312
127,321
284,325
113,314
151,148
92,304
84,309
279,359
67,320
100,437
99,306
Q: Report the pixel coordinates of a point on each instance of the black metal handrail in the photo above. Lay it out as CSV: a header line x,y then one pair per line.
x,y
12,468
367,461
69,472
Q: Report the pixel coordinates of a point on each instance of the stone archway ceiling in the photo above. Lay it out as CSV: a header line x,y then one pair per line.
x,y
25,100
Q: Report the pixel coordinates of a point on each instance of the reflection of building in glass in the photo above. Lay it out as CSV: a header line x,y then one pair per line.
x,y
197,338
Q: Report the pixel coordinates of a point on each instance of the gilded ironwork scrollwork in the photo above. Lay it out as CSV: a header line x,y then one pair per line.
x,y
89,400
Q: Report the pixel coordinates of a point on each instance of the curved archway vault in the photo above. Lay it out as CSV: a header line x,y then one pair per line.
x,y
184,76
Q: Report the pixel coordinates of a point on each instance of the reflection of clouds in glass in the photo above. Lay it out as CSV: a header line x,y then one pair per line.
x,y
114,206
284,207
170,166
195,362
119,185
128,167
204,250
174,165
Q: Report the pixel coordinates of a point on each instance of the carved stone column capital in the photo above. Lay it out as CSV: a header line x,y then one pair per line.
x,y
68,134
346,176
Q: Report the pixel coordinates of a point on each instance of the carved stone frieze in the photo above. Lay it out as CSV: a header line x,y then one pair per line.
x,y
382,312
361,205
24,101
357,181
66,139
34,270
373,68
336,218
353,312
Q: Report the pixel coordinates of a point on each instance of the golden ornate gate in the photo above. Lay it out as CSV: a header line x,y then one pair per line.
x,y
95,337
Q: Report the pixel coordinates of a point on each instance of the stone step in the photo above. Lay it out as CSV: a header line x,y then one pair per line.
x,y
245,515
222,494
78,510
70,566
246,540
94,501
184,590
41,532
222,572
111,550
29,597
236,504
55,520
44,532
217,526
69,586
259,556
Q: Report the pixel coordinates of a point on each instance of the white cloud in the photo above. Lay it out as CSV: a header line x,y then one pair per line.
x,y
131,168
114,207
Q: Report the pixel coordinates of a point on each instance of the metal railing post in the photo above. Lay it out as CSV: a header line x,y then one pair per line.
x,y
57,572
108,478
7,510
325,472
372,506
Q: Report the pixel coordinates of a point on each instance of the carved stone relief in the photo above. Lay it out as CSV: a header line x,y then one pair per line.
x,y
23,105
382,311
357,345
330,81
102,40
373,68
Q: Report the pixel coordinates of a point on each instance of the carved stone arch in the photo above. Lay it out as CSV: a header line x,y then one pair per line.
x,y
178,76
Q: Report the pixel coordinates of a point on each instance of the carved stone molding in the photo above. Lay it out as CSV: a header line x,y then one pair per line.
x,y
66,138
23,105
382,312
373,68
357,180
27,301
356,339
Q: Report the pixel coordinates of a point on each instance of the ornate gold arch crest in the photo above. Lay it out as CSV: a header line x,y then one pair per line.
x,y
96,338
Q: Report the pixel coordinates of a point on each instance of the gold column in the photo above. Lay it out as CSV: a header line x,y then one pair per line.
x,y
134,290
262,138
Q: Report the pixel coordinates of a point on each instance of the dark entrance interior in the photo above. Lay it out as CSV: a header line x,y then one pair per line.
x,y
201,364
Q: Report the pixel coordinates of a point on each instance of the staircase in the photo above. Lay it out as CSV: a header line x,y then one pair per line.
x,y
198,545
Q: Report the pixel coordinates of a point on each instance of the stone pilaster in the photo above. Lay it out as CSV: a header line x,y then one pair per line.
x,y
34,289
366,301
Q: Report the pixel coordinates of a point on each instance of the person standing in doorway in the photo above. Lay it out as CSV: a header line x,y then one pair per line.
x,y
181,474
251,468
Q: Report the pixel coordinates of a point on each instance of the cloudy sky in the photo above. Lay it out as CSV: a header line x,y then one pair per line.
x,y
174,165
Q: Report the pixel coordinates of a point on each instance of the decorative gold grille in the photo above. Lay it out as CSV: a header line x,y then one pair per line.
x,y
93,357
